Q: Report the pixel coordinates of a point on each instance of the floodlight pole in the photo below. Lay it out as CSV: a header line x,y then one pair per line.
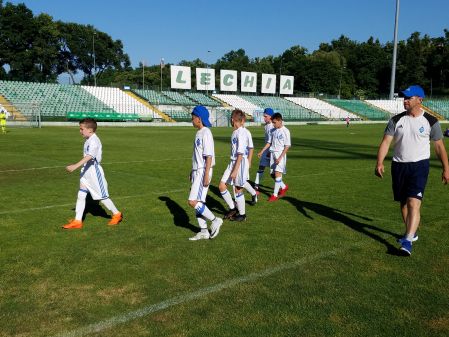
x,y
160,65
395,51
93,53
143,75
207,72
280,74
341,77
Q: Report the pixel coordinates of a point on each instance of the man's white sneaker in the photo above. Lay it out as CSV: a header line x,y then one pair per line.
x,y
215,227
200,236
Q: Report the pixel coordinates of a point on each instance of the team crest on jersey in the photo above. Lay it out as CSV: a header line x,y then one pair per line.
x,y
421,129
234,140
198,142
280,136
87,149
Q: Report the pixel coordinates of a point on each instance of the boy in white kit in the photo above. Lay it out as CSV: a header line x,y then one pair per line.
x,y
236,173
203,161
279,144
265,158
249,155
92,179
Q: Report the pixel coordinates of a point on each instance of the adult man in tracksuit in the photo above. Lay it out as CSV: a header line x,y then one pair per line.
x,y
411,131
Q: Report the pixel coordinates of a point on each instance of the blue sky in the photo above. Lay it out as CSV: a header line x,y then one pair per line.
x,y
185,30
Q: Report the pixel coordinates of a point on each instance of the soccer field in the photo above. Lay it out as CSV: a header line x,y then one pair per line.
x,y
322,261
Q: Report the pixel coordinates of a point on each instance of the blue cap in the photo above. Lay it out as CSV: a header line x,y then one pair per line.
x,y
203,114
414,90
268,111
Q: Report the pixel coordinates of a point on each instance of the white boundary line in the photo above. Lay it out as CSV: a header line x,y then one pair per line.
x,y
71,204
181,299
112,163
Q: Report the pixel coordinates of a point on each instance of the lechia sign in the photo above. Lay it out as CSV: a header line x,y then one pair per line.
x,y
205,80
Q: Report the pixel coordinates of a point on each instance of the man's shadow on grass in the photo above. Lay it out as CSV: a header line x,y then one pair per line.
x,y
343,217
180,217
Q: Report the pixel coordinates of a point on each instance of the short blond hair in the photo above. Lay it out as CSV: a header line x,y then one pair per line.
x,y
238,115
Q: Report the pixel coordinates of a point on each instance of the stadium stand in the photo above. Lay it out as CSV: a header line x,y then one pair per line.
x,y
393,106
120,102
238,103
440,106
289,110
179,98
154,97
323,108
52,100
361,108
177,113
202,99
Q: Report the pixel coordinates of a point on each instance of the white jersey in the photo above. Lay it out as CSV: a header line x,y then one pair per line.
x,y
93,148
280,138
412,136
249,141
203,146
239,143
92,174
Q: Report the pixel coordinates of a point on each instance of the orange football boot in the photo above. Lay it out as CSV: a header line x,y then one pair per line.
x,y
73,224
116,219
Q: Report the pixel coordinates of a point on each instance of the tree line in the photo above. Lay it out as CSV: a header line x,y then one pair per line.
x,y
39,49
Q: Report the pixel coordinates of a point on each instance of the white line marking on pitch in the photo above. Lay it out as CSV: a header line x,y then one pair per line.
x,y
141,195
72,204
112,163
181,299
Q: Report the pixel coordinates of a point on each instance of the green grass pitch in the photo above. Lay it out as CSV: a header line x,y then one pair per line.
x,y
319,262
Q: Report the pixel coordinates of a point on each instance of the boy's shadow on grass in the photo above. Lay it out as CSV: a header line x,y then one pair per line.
x,y
216,206
213,204
343,217
180,217
94,208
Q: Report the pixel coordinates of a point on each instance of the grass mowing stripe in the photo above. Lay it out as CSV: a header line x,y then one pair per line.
x,y
181,299
141,195
112,163
65,205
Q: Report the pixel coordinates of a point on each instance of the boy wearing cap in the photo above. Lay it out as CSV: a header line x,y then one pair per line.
x,y
279,143
411,131
203,161
265,157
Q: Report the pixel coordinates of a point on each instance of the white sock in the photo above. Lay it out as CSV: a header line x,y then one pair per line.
x,y
277,186
202,223
409,237
249,188
282,185
240,201
228,199
202,210
259,176
109,205
80,204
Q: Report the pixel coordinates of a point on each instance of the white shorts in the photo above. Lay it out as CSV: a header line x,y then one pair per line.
x,y
92,177
281,167
265,158
198,192
242,174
